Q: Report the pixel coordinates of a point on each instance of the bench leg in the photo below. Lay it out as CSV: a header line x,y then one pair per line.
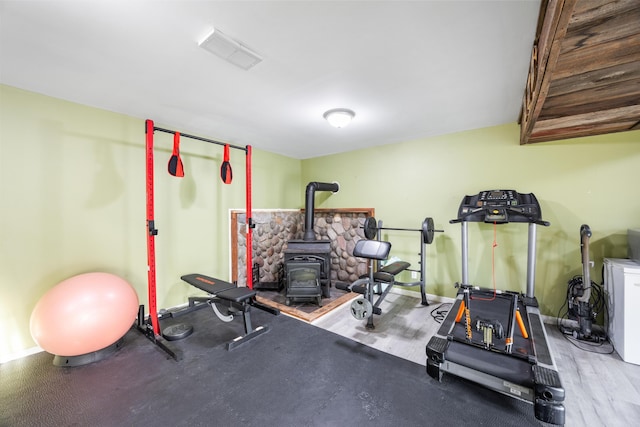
x,y
246,317
249,331
423,293
243,339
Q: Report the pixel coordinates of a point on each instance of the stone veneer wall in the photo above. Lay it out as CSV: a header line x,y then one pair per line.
x,y
275,228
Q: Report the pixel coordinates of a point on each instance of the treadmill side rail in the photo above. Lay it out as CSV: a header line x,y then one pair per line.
x,y
543,353
436,349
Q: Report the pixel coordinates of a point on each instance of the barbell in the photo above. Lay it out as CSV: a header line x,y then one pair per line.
x,y
427,230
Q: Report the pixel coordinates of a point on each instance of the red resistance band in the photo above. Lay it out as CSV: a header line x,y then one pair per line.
x,y
225,169
175,162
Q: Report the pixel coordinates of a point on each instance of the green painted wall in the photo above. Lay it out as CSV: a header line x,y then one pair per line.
x,y
72,186
587,180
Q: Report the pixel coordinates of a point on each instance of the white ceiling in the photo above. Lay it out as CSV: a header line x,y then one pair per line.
x,y
409,69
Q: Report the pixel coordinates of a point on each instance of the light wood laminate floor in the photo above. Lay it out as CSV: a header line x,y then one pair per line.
x,y
601,389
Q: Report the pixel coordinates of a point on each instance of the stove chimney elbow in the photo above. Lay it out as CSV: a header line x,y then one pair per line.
x,y
309,206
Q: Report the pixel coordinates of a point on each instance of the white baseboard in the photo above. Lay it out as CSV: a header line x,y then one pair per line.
x,y
20,354
416,294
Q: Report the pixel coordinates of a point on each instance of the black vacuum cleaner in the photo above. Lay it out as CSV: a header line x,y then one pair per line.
x,y
584,297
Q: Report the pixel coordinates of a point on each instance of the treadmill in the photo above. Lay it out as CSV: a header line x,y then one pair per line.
x,y
497,338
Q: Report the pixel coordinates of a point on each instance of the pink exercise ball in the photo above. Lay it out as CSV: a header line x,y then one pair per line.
x,y
83,314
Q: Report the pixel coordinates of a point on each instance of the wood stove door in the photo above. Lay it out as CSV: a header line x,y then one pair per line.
x,y
303,281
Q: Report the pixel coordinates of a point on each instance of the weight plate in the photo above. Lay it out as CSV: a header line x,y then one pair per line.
x,y
370,228
361,308
428,230
177,332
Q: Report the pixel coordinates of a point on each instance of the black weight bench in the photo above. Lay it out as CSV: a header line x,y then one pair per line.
x,y
379,282
384,276
237,299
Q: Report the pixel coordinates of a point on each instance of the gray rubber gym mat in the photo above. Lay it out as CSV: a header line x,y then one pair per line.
x,y
294,375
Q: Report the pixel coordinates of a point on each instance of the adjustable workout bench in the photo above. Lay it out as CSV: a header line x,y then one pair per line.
x,y
238,300
384,279
379,282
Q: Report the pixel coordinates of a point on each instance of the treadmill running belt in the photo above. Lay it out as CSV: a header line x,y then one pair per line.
x,y
499,365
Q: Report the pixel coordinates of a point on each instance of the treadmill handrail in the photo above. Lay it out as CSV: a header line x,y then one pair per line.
x,y
507,208
462,218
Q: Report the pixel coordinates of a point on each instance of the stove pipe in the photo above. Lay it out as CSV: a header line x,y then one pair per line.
x,y
312,187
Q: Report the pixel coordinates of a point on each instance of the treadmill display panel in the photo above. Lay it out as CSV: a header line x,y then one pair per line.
x,y
501,207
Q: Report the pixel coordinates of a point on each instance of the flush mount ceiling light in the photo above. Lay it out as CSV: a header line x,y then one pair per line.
x,y
339,117
230,50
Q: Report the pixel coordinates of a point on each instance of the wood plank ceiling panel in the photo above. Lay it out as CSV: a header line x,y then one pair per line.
x,y
584,77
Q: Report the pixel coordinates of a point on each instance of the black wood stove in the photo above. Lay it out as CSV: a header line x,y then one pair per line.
x,y
307,266
307,262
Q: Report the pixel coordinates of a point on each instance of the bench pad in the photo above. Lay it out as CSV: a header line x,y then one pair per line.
x,y
220,288
372,249
395,267
237,294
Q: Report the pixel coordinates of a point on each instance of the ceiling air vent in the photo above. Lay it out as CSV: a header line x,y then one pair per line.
x,y
230,50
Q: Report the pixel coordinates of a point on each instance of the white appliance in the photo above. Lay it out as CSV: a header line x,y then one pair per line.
x,y
622,287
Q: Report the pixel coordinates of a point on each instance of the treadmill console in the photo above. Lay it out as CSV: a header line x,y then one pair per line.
x,y
500,207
